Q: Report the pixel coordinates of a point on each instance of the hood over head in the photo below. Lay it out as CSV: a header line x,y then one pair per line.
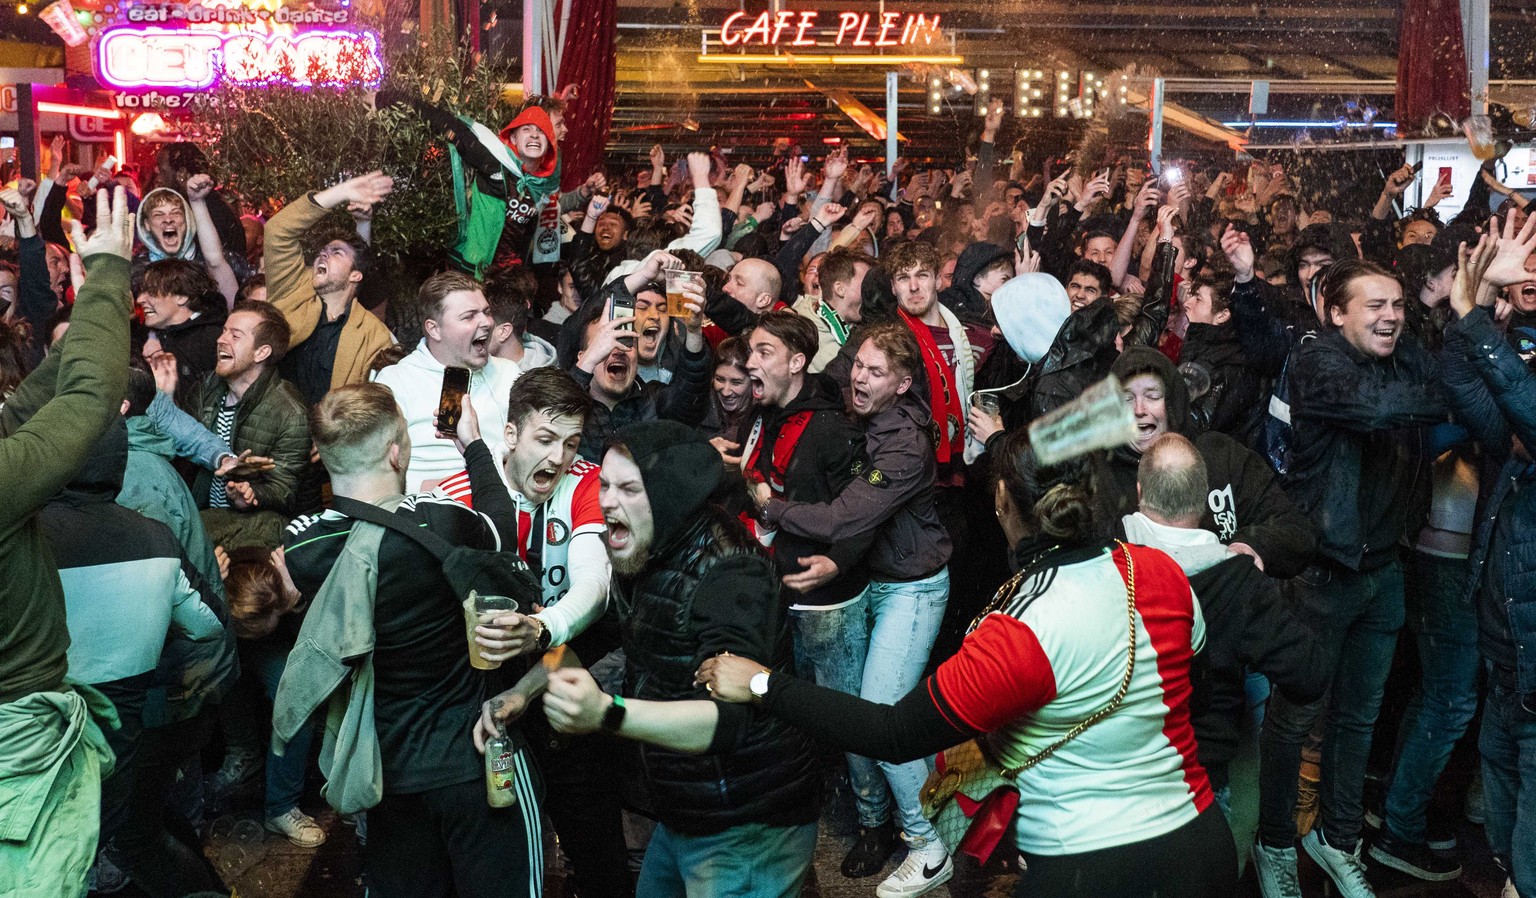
x,y
962,298
100,479
1030,309
151,242
1146,360
535,115
679,468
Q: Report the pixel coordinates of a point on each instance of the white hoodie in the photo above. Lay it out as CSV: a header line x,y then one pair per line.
x,y
417,382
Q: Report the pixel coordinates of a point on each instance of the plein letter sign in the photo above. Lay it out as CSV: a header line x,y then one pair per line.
x,y
809,28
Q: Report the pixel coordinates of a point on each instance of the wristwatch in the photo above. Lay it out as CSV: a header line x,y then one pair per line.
x,y
542,640
758,685
613,718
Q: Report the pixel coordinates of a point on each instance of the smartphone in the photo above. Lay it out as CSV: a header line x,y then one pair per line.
x,y
1418,166
1173,175
622,307
450,402
1445,174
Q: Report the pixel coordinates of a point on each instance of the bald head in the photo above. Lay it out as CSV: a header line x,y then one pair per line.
x,y
755,284
1171,480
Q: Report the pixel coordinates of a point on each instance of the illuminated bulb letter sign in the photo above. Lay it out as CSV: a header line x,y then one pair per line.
x,y
808,28
248,45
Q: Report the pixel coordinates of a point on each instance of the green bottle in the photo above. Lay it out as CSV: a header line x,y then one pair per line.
x,y
500,775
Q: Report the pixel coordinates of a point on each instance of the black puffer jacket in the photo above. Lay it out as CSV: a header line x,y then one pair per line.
x,y
1245,503
1493,390
1357,451
712,589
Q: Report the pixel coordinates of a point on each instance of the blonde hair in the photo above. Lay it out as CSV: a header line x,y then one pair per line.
x,y
353,427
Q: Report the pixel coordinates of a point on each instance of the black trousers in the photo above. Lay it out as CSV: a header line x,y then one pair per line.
x,y
160,853
1197,860
582,779
450,843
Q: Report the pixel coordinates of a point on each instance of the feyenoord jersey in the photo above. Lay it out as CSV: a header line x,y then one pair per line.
x,y
571,510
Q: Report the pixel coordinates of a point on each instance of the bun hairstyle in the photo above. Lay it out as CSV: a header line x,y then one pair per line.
x,y
1056,501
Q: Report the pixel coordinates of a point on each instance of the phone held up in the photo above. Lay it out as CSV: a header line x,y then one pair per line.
x,y
450,402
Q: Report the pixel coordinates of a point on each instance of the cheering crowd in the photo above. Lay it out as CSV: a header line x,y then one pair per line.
x,y
669,490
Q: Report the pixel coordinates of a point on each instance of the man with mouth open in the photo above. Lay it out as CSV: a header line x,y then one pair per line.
x,y
736,793
891,500
558,529
248,405
456,333
1360,398
607,365
334,337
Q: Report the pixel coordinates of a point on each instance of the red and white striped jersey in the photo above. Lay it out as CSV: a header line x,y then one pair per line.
x,y
1055,654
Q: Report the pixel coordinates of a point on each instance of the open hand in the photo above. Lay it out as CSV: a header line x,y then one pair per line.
x,y
819,571
114,228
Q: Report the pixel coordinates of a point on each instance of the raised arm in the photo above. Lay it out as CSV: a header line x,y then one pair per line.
x,y
208,240
41,456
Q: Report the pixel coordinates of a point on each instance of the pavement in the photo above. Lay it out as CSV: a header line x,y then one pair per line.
x,y
262,865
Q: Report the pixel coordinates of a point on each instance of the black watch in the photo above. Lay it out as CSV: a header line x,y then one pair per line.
x,y
542,640
613,718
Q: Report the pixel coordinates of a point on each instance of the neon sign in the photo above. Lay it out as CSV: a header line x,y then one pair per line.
x,y
803,28
193,60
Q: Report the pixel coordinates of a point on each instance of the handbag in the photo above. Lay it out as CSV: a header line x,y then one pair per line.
x,y
969,798
486,571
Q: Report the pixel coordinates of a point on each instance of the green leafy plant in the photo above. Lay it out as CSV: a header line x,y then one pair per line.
x,y
270,144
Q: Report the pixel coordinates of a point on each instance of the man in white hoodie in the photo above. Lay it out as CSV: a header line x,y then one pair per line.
x,y
456,327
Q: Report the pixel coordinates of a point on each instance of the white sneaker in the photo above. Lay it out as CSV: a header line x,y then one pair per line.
x,y
300,828
926,867
1276,871
1345,868
1509,890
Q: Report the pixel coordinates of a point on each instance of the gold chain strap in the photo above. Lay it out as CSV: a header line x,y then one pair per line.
x,y
1125,681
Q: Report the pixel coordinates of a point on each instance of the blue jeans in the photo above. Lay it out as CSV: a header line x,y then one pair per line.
x,y
830,647
1358,614
1445,626
1508,746
262,662
906,621
753,860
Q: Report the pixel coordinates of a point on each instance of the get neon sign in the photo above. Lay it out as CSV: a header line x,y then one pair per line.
x,y
803,28
194,60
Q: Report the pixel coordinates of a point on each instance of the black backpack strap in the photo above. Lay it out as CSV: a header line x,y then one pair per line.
x,y
364,511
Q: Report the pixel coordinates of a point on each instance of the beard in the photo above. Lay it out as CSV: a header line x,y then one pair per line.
x,y
632,565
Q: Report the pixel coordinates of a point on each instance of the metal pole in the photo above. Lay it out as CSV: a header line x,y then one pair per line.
x,y
26,131
1155,143
890,123
1474,18
533,45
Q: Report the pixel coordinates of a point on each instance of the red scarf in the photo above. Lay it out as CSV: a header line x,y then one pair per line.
x,y
944,394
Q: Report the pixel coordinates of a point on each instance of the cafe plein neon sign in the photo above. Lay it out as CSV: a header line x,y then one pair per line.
x,y
804,28
193,60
